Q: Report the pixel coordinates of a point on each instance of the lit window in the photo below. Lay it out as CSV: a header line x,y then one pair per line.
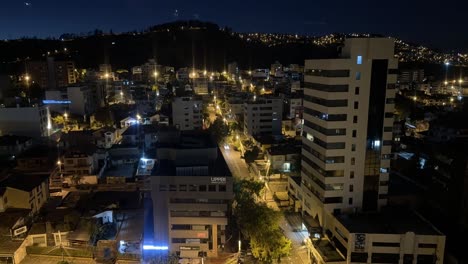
x,y
359,59
376,143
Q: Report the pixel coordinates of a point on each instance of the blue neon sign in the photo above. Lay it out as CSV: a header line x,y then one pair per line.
x,y
56,101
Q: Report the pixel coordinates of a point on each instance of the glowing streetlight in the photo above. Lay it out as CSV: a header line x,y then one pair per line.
x,y
460,81
106,75
204,73
27,78
445,82
415,98
451,99
224,73
59,163
138,116
250,72
65,115
155,74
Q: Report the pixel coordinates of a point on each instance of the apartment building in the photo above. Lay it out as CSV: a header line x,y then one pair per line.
x,y
25,121
21,191
191,192
263,115
347,138
187,113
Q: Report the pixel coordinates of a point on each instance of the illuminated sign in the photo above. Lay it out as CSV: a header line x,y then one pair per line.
x,y
218,180
56,101
189,248
151,247
20,230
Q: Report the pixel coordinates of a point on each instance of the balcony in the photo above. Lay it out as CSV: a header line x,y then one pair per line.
x,y
324,250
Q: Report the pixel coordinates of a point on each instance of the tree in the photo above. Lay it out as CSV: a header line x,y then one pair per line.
x,y
58,120
219,130
259,223
251,155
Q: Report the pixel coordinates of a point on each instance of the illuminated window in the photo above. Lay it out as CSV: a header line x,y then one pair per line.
x,y
359,59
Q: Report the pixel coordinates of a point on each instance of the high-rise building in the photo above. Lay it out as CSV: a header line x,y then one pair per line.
x,y
263,116
347,138
348,126
51,74
82,100
187,113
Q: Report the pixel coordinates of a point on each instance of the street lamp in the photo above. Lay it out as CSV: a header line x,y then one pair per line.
x,y
239,245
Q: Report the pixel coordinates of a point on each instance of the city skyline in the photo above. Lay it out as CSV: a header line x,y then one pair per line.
x,y
409,21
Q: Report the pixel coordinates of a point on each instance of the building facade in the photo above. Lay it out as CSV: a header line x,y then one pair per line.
x,y
32,122
348,119
192,192
262,116
51,74
187,113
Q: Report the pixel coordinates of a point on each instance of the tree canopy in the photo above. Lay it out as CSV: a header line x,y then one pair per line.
x,y
259,223
219,130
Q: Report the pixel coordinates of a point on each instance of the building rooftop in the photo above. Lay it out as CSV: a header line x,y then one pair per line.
x,y
11,140
284,150
40,151
189,140
388,221
216,167
24,182
126,170
9,218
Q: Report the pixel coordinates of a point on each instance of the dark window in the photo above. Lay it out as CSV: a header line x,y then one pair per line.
x,y
325,116
356,105
392,71
408,259
162,187
324,131
202,188
385,244
385,258
353,147
351,174
358,76
354,119
351,188
181,227
353,161
387,142
388,115
193,188
333,200
183,188
426,259
425,245
212,188
359,257
391,86
388,129
390,100
326,87
222,188
384,183
325,102
354,133
172,188
350,201
356,90
327,73
325,173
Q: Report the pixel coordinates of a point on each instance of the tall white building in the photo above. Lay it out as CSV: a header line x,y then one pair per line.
x,y
187,113
25,121
348,113
263,116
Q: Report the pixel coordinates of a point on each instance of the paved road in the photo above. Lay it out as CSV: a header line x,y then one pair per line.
x,y
236,165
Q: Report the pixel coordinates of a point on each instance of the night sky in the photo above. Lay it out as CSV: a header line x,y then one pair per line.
x,y
438,24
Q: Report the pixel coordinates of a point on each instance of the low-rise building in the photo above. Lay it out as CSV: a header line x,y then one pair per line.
x,y
191,191
82,100
283,158
21,191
